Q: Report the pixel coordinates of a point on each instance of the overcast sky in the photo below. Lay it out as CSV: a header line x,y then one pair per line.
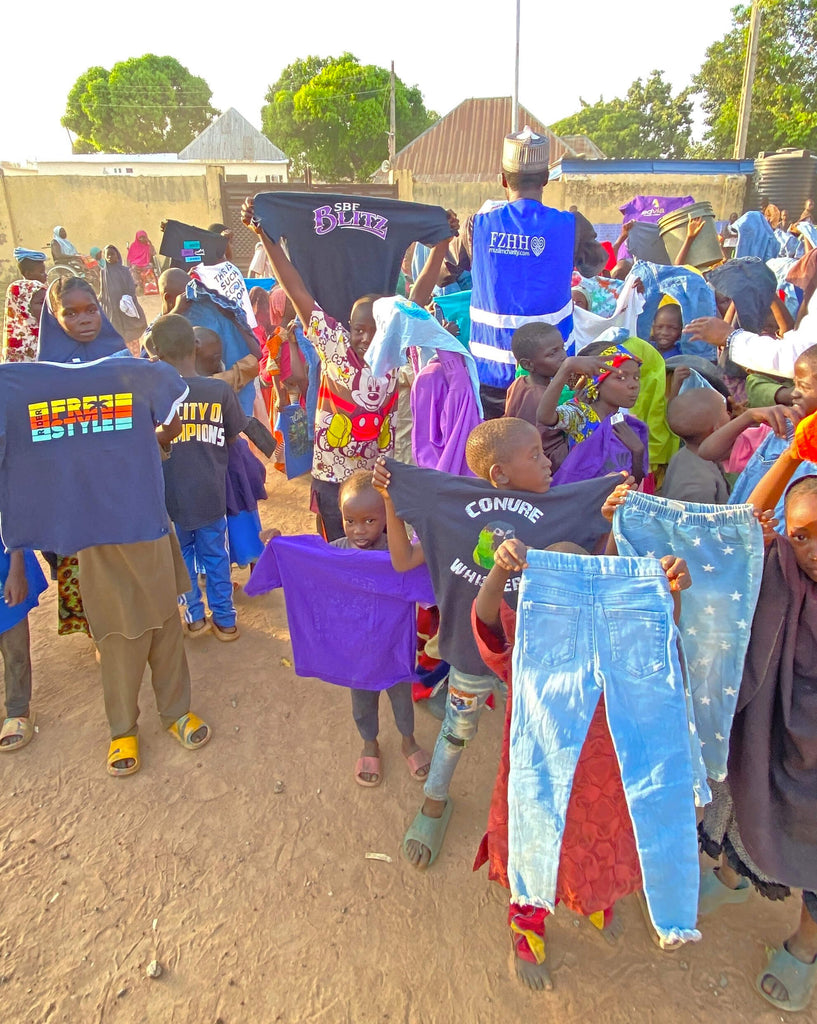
x,y
451,51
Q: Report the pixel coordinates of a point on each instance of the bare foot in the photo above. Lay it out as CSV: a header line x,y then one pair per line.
x,y
415,852
535,976
613,927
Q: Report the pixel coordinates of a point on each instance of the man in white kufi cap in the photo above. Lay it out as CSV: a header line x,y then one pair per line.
x,y
522,260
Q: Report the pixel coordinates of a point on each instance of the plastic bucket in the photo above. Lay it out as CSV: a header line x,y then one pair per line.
x,y
705,250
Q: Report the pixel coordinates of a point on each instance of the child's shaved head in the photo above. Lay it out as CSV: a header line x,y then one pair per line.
x,y
528,339
695,414
809,358
494,441
358,483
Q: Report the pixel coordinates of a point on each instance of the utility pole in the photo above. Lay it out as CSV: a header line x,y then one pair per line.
x,y
745,109
515,97
392,119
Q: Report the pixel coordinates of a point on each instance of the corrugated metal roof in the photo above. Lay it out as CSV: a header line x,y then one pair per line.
x,y
466,144
232,137
583,167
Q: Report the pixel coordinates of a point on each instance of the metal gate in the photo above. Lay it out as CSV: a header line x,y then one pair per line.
x,y
233,194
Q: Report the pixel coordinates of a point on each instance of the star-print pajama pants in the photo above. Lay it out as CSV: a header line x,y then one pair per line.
x,y
586,626
723,548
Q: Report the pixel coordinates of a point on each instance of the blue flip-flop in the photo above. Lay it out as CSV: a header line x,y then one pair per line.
x,y
429,831
798,978
713,893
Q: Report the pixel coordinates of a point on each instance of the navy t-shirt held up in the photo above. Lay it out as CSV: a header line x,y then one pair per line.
x,y
196,472
79,461
345,247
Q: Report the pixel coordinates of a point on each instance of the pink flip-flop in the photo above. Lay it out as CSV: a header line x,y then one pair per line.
x,y
371,766
416,762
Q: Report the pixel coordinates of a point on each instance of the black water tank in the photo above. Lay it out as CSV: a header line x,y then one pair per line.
x,y
788,178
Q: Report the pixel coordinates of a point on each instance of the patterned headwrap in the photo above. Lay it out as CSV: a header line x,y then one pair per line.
x,y
614,356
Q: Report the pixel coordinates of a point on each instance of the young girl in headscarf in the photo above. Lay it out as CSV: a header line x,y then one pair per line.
x,y
762,821
60,246
119,300
610,384
141,254
73,329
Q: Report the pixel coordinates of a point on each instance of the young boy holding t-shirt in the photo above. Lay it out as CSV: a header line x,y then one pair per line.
x,y
460,523
195,480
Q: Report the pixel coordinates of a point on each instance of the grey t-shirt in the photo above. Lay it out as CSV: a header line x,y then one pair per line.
x,y
461,521
691,478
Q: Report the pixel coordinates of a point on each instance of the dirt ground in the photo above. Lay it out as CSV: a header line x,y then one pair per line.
x,y
242,868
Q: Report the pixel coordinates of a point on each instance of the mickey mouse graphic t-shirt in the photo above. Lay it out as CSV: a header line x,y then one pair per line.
x,y
354,422
345,247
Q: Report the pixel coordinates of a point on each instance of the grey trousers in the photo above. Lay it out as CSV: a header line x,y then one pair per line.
x,y
364,710
16,651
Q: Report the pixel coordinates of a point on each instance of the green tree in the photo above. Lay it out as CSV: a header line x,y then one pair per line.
x,y
784,96
146,104
648,124
333,115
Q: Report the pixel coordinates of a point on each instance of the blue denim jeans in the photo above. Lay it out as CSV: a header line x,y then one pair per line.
x,y
587,626
723,547
466,698
206,550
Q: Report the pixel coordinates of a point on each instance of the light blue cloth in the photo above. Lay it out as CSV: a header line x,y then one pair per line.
x,y
809,231
588,626
723,548
211,309
689,289
788,243
29,254
402,324
762,460
313,363
780,266
694,381
756,237
456,306
418,261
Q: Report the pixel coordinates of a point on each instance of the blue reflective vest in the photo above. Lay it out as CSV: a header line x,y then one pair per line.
x,y
521,272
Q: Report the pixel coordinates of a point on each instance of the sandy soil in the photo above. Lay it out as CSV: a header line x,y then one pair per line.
x,y
261,905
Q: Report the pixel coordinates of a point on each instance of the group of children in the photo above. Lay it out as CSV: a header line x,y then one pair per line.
x,y
613,420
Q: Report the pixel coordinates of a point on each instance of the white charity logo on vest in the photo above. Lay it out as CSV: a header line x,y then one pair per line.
x,y
516,245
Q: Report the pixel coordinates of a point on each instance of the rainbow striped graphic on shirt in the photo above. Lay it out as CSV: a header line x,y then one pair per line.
x,y
90,414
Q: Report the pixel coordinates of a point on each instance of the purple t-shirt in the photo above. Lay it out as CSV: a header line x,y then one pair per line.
x,y
357,626
79,461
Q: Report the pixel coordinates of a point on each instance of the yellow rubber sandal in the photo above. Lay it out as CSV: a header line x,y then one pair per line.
x,y
123,749
185,727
